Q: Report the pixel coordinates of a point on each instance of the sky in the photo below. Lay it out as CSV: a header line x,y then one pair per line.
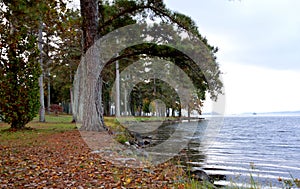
x,y
259,50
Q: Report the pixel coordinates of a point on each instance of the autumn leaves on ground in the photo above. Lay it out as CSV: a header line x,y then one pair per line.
x,y
53,155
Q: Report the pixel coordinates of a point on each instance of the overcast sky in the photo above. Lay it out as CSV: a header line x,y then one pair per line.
x,y
259,42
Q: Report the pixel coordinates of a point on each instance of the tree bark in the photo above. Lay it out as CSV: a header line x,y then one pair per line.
x,y
117,90
90,18
41,83
71,105
93,114
125,101
49,93
189,111
173,112
167,112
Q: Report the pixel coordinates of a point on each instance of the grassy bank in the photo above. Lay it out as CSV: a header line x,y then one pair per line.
x,y
122,134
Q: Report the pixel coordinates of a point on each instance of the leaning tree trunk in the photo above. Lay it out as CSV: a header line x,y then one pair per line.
x,y
92,115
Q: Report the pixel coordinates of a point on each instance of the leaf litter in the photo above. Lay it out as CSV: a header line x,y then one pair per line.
x,y
63,160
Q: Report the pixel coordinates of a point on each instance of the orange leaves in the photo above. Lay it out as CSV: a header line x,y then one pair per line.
x,y
54,163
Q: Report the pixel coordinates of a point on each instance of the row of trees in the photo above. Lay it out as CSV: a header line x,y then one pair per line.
x,y
43,42
34,55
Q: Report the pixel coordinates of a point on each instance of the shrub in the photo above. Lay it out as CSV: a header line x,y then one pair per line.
x,y
56,108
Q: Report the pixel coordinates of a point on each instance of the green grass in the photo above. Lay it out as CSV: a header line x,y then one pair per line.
x,y
122,135
113,124
63,123
194,184
53,124
55,119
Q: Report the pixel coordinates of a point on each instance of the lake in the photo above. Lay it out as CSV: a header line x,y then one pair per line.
x,y
266,147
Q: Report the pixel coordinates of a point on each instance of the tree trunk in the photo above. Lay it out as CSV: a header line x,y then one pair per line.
x,y
99,105
93,114
92,111
41,83
117,90
173,112
189,111
71,105
167,112
125,102
90,18
17,125
106,103
49,93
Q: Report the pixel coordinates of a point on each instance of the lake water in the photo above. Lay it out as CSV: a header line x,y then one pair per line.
x,y
266,147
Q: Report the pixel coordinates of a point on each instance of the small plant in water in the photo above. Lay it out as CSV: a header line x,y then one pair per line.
x,y
253,184
290,183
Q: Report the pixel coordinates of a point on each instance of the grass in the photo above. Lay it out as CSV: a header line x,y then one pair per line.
x,y
122,134
63,123
52,125
194,184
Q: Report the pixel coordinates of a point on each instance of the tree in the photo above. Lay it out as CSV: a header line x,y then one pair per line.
x,y
146,92
92,30
65,57
41,78
50,16
26,25
19,67
90,26
168,54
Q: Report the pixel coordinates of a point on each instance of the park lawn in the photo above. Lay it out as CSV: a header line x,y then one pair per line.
x,y
53,125
53,155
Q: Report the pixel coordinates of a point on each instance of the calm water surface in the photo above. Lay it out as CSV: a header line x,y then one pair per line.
x,y
265,147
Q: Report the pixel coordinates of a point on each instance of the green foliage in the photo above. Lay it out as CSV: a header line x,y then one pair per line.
x,y
146,106
19,68
130,11
66,56
145,93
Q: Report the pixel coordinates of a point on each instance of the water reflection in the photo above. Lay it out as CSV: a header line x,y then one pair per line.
x,y
193,156
267,148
